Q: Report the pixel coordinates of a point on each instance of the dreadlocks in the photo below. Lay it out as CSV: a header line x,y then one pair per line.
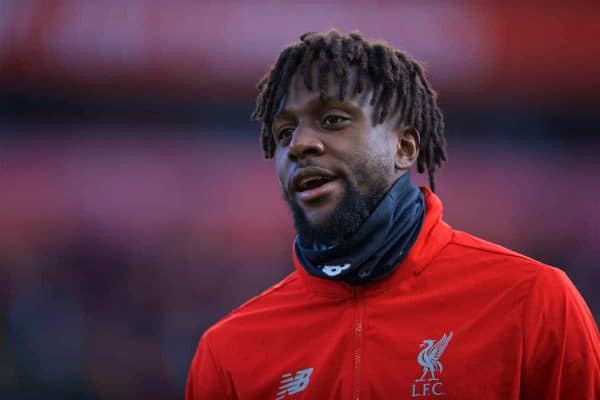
x,y
399,84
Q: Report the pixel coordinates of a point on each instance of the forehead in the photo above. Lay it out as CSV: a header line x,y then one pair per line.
x,y
299,95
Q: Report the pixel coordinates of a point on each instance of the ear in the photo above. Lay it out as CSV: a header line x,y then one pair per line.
x,y
407,152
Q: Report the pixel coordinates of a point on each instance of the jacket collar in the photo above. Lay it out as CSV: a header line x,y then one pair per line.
x,y
434,235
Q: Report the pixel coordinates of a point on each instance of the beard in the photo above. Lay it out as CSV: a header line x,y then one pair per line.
x,y
350,213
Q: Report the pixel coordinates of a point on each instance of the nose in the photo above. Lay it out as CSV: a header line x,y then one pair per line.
x,y
305,142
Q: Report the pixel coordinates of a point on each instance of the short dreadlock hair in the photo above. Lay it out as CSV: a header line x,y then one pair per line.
x,y
390,71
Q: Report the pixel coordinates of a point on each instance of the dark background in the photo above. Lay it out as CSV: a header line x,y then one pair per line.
x,y
136,208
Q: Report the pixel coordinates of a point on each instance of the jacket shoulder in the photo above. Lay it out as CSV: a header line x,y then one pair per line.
x,y
483,250
489,263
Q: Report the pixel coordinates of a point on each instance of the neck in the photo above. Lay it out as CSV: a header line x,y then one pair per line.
x,y
378,246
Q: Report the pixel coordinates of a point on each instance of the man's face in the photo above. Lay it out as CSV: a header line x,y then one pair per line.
x,y
333,164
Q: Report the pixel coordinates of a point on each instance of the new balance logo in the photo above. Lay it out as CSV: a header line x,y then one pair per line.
x,y
292,384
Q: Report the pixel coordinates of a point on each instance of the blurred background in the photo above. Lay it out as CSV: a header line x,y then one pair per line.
x,y
137,210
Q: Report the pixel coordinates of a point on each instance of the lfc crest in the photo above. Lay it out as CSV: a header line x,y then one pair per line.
x,y
429,359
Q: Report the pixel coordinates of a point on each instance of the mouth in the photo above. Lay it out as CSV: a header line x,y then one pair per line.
x,y
312,183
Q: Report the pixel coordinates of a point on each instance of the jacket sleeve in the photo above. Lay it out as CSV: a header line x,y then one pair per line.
x,y
561,342
206,379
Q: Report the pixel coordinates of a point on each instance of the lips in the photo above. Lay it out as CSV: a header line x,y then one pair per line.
x,y
311,182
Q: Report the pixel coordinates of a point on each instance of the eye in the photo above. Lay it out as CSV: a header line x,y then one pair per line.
x,y
285,134
333,120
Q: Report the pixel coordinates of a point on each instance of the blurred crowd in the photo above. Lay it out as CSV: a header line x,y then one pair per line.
x,y
117,257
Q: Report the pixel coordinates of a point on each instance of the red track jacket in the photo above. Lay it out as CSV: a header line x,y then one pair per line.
x,y
460,318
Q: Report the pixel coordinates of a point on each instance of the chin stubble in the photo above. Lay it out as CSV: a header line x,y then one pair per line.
x,y
344,221
351,211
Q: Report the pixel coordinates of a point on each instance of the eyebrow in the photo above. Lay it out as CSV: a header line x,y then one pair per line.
x,y
312,105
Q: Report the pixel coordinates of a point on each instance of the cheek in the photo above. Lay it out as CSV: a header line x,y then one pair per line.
x,y
385,150
375,164
377,150
280,166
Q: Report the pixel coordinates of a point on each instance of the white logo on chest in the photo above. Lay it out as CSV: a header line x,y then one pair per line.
x,y
334,270
429,359
292,384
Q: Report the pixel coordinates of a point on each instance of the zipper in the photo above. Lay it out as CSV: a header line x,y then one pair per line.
x,y
358,327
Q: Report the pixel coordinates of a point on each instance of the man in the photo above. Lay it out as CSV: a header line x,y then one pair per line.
x,y
387,301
